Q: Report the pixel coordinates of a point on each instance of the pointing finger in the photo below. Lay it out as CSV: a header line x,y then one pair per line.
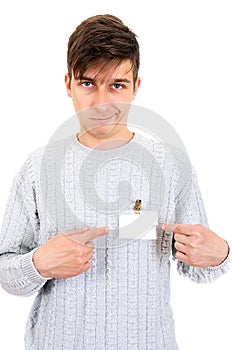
x,y
188,230
183,229
86,234
169,227
73,234
93,233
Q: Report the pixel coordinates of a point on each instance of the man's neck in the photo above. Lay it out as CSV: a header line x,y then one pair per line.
x,y
105,142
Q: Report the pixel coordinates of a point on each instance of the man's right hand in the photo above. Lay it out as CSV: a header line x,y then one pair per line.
x,y
67,254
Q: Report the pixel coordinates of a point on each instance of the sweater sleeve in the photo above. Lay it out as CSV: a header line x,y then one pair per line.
x,y
19,236
192,211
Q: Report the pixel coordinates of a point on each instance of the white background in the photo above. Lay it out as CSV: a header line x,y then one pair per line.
x,y
187,78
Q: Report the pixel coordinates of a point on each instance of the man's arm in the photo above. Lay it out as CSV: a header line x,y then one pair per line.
x,y
19,236
198,246
67,254
202,255
25,267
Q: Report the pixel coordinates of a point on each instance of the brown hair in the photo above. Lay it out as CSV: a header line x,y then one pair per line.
x,y
100,40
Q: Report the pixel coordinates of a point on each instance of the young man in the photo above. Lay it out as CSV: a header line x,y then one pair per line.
x,y
114,295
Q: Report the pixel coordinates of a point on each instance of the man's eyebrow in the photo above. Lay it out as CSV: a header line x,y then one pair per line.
x,y
121,80
83,77
117,80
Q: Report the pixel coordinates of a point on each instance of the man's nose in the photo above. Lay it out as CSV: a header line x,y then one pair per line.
x,y
102,96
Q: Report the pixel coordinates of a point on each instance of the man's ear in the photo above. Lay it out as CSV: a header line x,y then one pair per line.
x,y
67,83
136,86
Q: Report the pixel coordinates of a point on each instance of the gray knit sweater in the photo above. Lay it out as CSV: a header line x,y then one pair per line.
x,y
122,302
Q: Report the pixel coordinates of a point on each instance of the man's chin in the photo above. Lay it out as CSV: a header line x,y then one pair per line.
x,y
102,130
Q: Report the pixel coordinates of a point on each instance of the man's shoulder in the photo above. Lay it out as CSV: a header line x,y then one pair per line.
x,y
169,153
52,149
155,143
47,156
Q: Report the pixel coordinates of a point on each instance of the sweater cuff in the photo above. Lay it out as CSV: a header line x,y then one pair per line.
x,y
29,270
204,274
222,268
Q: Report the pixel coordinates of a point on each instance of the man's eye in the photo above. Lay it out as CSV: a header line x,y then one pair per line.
x,y
86,83
117,86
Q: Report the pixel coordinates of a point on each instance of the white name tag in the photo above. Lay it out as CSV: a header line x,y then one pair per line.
x,y
138,226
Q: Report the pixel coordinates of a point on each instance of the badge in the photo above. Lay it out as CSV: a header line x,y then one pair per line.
x,y
138,223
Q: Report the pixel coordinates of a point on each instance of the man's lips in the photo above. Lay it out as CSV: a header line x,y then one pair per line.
x,y
103,119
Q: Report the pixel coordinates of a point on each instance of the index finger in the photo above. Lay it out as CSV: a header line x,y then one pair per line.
x,y
90,234
168,228
183,229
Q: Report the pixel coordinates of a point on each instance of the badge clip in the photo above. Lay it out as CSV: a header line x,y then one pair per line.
x,y
137,206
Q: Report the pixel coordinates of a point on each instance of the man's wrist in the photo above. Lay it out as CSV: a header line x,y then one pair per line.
x,y
226,251
35,261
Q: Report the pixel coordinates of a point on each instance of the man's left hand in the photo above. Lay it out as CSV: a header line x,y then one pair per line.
x,y
198,246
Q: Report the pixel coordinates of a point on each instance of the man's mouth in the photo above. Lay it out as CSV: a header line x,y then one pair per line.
x,y
104,120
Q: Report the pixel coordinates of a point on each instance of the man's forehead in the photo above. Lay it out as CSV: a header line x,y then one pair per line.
x,y
110,71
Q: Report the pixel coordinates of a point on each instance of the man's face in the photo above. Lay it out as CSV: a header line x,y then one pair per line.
x,y
102,98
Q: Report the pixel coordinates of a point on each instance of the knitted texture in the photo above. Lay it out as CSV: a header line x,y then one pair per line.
x,y
122,302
